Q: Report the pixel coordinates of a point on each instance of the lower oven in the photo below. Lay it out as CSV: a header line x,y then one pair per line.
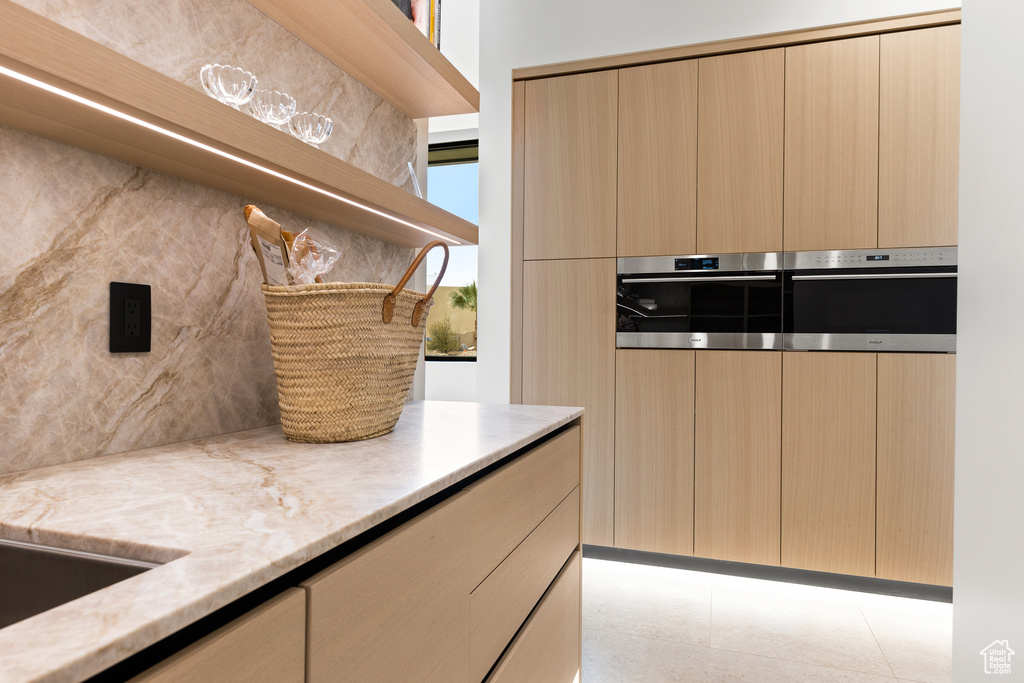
x,y
871,300
708,301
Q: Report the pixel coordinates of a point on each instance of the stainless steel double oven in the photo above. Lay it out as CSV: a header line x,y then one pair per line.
x,y
853,300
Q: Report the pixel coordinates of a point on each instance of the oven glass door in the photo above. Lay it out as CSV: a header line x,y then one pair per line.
x,y
878,309
720,310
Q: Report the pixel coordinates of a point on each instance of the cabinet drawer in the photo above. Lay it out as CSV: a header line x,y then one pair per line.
x,y
548,647
508,504
397,609
500,604
267,644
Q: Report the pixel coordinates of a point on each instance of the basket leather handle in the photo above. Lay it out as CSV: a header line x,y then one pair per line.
x,y
388,309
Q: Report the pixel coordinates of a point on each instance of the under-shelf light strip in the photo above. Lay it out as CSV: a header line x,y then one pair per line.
x,y
213,150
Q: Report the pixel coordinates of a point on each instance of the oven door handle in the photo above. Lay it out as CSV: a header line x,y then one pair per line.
x,y
714,278
875,276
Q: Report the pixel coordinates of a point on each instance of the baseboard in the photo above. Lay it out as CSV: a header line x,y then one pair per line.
x,y
864,584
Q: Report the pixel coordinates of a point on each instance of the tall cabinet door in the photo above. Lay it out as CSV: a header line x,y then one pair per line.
x,y
737,456
657,193
828,462
740,124
569,360
919,138
831,176
654,450
916,415
570,166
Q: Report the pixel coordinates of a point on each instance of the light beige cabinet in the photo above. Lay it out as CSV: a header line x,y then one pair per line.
x,y
657,169
654,450
570,166
569,360
266,645
919,136
831,167
828,462
741,108
523,524
548,648
835,138
916,417
408,588
442,596
737,456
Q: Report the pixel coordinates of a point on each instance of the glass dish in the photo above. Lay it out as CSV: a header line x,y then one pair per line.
x,y
272,107
313,129
231,85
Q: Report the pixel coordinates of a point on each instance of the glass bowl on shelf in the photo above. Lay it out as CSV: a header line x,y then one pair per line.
x,y
311,128
231,85
272,107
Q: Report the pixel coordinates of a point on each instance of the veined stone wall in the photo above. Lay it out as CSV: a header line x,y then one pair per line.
x,y
74,221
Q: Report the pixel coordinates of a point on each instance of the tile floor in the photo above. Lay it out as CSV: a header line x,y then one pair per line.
x,y
653,624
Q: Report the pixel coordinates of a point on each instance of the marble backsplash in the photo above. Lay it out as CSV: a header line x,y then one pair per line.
x,y
75,221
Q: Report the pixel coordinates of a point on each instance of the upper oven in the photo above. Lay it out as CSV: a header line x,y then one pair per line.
x,y
871,300
725,301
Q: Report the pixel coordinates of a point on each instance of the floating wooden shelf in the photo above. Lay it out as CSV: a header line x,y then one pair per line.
x,y
375,43
169,127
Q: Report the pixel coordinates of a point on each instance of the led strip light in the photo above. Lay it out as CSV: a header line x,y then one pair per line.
x,y
207,148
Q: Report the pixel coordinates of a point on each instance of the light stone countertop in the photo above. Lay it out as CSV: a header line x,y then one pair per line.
x,y
227,514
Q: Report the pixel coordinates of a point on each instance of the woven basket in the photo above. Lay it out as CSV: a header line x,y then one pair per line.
x,y
345,354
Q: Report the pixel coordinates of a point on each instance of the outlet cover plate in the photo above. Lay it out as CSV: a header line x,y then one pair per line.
x,y
130,318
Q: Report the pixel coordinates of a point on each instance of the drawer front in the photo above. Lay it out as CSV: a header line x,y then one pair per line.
x,y
503,601
548,647
397,609
511,502
267,644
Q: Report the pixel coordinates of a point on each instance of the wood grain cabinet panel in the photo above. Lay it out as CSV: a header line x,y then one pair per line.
x,y
398,608
657,178
740,126
515,342
500,605
828,462
919,138
737,456
916,416
570,166
569,360
654,450
548,647
509,504
267,645
831,166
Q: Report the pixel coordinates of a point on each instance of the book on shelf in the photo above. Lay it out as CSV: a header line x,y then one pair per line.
x,y
426,15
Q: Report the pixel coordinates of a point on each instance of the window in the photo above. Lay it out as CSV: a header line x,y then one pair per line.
x,y
453,184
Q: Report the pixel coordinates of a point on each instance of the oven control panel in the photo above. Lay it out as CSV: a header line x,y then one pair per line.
x,y
698,263
868,258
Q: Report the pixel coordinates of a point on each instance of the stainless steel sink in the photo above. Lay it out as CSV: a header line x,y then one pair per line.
x,y
35,578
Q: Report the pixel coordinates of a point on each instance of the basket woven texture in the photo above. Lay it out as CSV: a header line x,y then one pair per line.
x,y
342,373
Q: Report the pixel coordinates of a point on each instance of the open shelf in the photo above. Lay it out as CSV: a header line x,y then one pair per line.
x,y
63,86
374,42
